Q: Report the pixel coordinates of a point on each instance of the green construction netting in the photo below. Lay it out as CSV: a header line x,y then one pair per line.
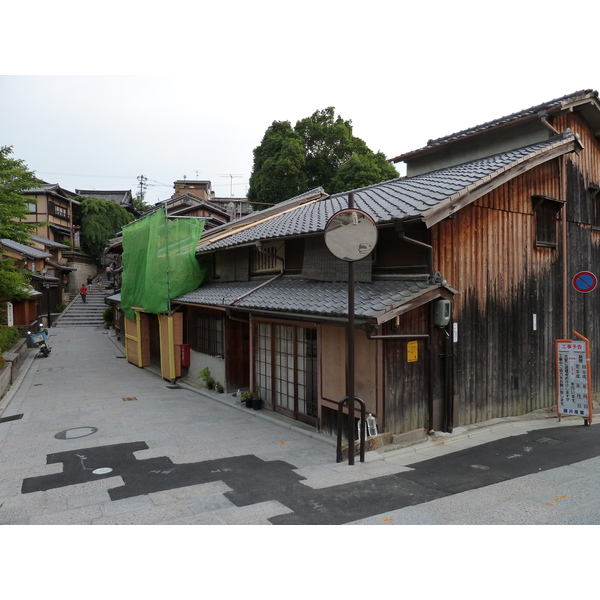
x,y
159,262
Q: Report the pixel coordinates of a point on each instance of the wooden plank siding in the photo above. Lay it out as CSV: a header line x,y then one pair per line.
x,y
406,383
487,252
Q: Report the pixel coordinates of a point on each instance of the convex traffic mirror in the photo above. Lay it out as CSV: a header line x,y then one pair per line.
x,y
351,234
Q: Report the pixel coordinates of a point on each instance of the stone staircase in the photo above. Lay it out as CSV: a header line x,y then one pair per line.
x,y
78,314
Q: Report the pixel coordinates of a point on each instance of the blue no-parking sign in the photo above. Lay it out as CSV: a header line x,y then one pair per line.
x,y
585,282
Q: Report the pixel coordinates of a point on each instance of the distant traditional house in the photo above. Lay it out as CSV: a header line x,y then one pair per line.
x,y
121,197
53,208
44,287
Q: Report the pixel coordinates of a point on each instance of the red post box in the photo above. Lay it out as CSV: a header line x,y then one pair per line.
x,y
185,355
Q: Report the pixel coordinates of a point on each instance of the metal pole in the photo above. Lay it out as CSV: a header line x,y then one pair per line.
x,y
47,286
350,335
167,260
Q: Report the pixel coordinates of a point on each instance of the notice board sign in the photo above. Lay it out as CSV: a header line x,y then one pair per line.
x,y
573,379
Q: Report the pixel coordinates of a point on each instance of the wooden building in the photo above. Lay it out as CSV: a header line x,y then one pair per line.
x,y
492,223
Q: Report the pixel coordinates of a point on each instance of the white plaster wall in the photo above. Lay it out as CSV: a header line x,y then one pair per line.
x,y
199,361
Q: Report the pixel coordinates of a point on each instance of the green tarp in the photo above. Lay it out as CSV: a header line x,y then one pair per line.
x,y
159,262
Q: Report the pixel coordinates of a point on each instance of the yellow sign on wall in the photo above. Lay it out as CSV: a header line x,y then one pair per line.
x,y
412,351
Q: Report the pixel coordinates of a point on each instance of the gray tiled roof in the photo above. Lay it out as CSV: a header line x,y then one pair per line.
x,y
550,106
122,197
385,202
311,297
25,250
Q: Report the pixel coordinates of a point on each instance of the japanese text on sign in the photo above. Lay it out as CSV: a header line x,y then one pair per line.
x,y
573,381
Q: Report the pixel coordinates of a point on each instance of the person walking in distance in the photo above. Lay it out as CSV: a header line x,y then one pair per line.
x,y
108,272
83,292
99,283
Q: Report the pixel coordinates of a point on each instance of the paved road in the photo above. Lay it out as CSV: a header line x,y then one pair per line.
x,y
87,438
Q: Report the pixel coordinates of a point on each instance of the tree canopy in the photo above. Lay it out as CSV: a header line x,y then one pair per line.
x,y
100,221
320,150
14,283
15,178
279,166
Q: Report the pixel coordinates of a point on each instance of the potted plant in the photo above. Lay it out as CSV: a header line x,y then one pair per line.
x,y
219,387
256,399
247,398
206,377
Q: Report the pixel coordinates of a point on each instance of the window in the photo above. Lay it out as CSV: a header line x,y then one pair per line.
x,y
285,367
58,211
594,192
546,213
268,258
207,335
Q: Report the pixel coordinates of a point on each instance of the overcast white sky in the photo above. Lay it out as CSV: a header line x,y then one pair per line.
x,y
94,98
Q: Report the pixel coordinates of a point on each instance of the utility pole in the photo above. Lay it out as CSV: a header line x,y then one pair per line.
x,y
142,191
231,181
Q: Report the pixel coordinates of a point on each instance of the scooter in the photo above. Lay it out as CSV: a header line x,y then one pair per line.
x,y
39,341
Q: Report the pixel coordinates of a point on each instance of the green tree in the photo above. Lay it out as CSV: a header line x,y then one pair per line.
x,y
100,221
329,143
15,178
278,172
290,161
140,205
14,283
361,170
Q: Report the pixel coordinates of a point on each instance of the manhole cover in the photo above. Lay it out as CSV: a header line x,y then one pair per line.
x,y
102,471
76,432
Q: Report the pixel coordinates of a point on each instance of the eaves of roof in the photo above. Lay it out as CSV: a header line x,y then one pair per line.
x,y
53,189
430,197
24,250
568,102
47,242
60,267
375,302
46,278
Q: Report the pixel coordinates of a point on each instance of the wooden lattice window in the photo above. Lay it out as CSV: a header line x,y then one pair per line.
x,y
267,258
546,213
207,335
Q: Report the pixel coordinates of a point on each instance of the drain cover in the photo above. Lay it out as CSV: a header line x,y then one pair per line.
x,y
102,471
76,432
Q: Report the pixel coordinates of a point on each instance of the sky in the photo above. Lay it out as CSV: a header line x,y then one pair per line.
x,y
95,100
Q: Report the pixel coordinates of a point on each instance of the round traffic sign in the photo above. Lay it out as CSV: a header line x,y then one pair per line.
x,y
585,282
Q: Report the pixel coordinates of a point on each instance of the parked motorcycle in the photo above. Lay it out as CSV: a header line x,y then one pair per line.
x,y
39,340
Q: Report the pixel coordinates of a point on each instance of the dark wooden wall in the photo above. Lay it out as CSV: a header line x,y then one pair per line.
x,y
487,252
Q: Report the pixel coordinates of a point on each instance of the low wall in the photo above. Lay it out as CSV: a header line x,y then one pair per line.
x,y
15,359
